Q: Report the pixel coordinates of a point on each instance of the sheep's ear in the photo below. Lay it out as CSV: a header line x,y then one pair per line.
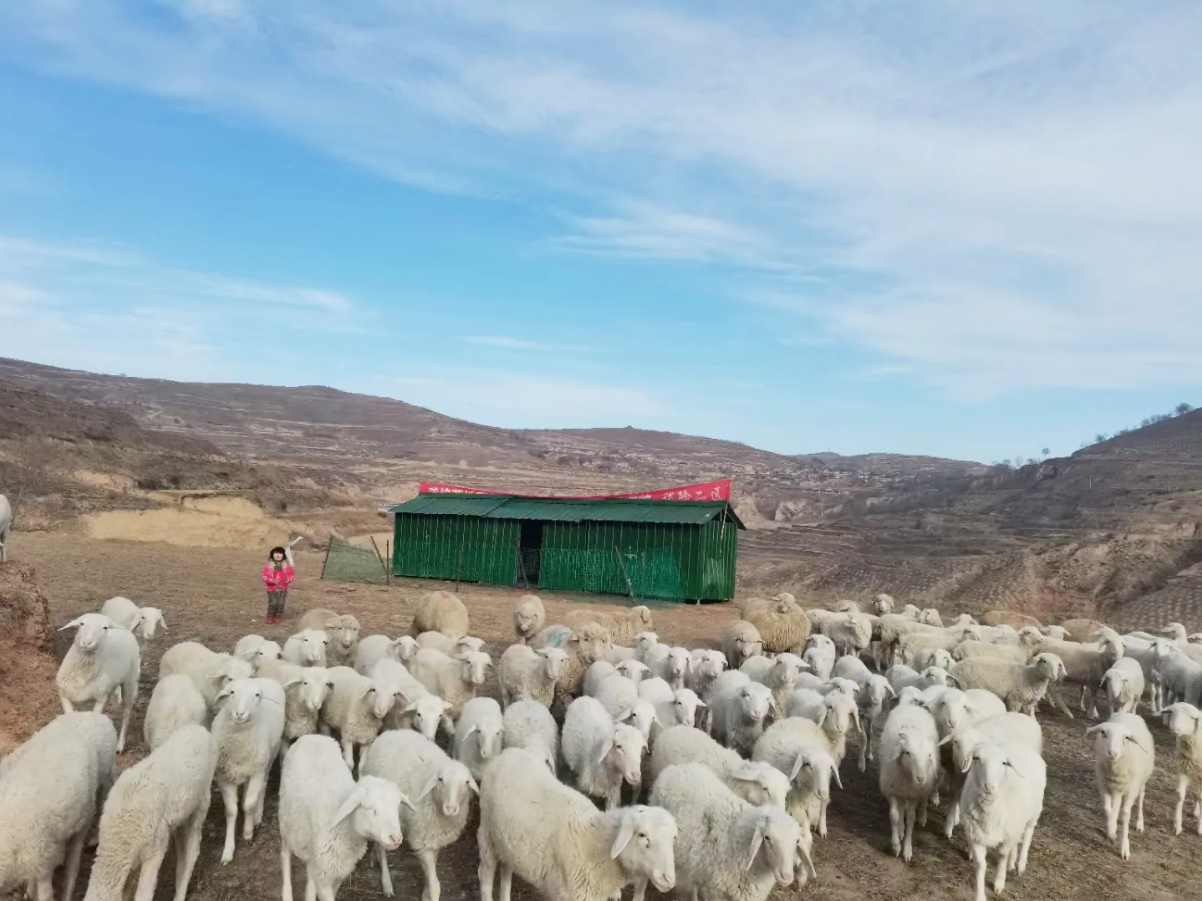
x,y
838,781
475,727
625,834
889,688
945,740
447,705
1092,729
471,783
349,806
621,718
222,695
430,783
367,691
605,749
542,652
74,624
756,841
801,758
1016,770
702,704
809,861
291,680
162,623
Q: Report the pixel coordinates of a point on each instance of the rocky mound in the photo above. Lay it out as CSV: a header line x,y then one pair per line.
x,y
28,698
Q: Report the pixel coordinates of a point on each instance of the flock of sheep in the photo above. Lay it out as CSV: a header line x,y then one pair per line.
x,y
725,758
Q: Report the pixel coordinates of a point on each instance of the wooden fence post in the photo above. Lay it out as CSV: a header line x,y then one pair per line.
x,y
622,566
375,547
326,559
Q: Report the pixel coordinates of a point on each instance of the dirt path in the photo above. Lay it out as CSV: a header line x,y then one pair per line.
x,y
214,595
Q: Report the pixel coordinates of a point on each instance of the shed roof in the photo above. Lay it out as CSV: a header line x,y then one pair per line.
x,y
495,506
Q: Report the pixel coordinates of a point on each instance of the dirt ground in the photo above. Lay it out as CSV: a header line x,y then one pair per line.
x,y
214,595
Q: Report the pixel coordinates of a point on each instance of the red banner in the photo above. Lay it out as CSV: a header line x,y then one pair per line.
x,y
706,491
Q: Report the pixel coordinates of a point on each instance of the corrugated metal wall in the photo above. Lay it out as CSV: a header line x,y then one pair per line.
x,y
430,547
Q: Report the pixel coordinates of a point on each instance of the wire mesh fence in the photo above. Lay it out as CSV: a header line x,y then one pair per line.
x,y
346,562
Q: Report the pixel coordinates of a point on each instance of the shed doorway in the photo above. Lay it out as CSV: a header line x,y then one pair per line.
x,y
530,545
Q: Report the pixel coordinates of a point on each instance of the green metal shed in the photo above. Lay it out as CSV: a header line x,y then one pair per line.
x,y
655,549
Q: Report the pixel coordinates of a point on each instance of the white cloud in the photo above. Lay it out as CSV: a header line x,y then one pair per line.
x,y
503,341
991,197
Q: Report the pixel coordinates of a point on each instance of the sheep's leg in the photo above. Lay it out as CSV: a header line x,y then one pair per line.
x,y
101,703
908,848
1111,808
229,795
613,798
68,707
1058,702
252,804
45,889
385,873
149,877
71,866
187,849
822,806
1182,788
127,711
1028,834
953,817
1124,844
922,812
325,892
348,753
978,856
640,890
1139,810
486,871
999,875
285,873
864,753
310,887
429,864
506,882
898,823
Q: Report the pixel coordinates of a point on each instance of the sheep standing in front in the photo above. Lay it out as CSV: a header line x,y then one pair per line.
x,y
620,628
726,849
530,726
601,753
327,818
142,621
208,670
248,730
527,674
555,839
820,655
1124,685
309,647
356,706
909,773
1021,686
1001,804
738,710
343,631
52,786
103,659
756,782
791,747
1084,666
257,650
479,735
441,790
585,647
174,703
161,800
740,641
529,616
783,626
1185,722
305,690
454,679
440,611
1124,757
375,648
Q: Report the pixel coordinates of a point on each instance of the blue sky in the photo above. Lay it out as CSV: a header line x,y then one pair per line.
x,y
964,229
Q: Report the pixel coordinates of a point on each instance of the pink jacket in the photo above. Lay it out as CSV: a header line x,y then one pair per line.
x,y
278,580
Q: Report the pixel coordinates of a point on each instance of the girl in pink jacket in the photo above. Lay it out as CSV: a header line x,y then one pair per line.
x,y
277,576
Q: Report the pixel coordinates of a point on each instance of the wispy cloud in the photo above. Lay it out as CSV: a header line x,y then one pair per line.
x,y
992,197
503,341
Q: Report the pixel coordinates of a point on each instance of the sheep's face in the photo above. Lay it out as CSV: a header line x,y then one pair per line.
x,y
1029,636
1111,740
528,617
841,714
820,642
490,736
640,716
624,752
1112,645
591,644
813,770
964,743
708,665
425,714
1184,719
376,808
941,659
267,650
313,644
775,843
788,667
950,710
684,704
643,615
849,688
644,845
1050,667
633,670
475,666
915,751
882,604
555,659
404,648
755,700
149,620
987,768
679,661
242,698
936,675
875,691
92,628
380,695
644,642
315,686
452,787
763,783
345,632
847,607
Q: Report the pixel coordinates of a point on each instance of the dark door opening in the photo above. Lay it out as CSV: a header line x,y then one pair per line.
x,y
531,545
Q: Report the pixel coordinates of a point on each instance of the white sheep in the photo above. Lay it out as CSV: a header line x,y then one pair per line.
x,y
161,800
597,672
440,611
343,631
356,706
1001,804
174,703
793,748
1181,678
725,849
142,621
955,709
6,526
555,839
851,633
454,679
415,707
872,698
639,649
670,664
1003,728
257,650
1020,686
102,659
1185,722
738,710
375,648
618,694
756,782
309,647
448,645
1084,665
909,773
672,708
305,691
528,617
779,674
1124,758
740,641
1124,685
530,726
707,665
248,730
441,790
527,674
601,753
620,628
940,657
208,670
327,818
479,735
901,677
51,788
